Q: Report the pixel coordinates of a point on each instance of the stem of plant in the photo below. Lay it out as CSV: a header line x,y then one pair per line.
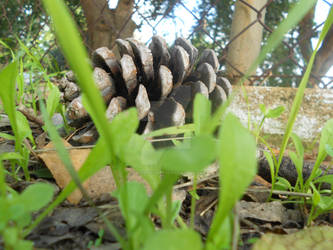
x,y
193,200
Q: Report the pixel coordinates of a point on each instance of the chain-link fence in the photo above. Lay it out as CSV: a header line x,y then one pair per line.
x,y
205,23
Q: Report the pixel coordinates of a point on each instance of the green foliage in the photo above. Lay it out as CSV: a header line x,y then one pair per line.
x,y
27,21
119,146
201,115
174,239
270,113
294,16
98,241
297,159
320,204
192,156
237,159
16,209
18,122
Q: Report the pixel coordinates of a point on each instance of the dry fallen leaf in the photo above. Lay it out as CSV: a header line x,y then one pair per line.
x,y
100,183
320,238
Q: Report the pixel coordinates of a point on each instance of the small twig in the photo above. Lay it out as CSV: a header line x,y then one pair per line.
x,y
27,144
169,139
31,117
68,148
252,225
92,146
212,204
291,193
279,192
190,183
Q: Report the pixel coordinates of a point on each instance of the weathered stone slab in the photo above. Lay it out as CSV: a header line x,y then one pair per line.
x,y
316,109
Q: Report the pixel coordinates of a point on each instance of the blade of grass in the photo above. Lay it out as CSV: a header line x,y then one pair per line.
x,y
171,130
9,48
60,148
299,10
74,52
300,92
294,16
2,181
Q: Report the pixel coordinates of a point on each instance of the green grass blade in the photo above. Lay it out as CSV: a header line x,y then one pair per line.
x,y
74,51
171,130
60,148
294,16
237,160
7,94
8,47
300,92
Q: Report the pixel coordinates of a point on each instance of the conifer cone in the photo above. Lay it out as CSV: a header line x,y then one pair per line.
x,y
160,82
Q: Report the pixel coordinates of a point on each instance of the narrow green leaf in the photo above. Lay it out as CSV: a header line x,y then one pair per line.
x,y
294,16
325,178
298,145
282,184
122,127
7,136
225,235
24,130
174,239
136,200
190,157
2,189
325,204
7,93
201,114
329,150
237,158
171,131
269,159
9,48
315,196
262,108
36,196
300,92
10,156
142,157
53,100
276,112
72,46
298,162
326,137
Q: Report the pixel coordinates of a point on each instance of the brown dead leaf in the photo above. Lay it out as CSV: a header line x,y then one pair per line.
x,y
100,183
62,177
320,238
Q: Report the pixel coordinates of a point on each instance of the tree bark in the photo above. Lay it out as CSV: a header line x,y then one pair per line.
x,y
105,25
244,49
324,59
305,35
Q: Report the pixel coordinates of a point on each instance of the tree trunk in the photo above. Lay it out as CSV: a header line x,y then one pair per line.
x,y
243,51
105,25
305,34
324,59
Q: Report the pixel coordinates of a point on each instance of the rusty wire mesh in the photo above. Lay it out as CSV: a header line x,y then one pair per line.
x,y
31,16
